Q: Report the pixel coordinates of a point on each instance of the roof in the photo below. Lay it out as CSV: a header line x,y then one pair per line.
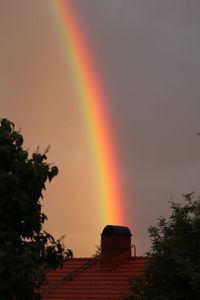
x,y
82,278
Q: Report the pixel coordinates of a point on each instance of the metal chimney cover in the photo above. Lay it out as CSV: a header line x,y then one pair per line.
x,y
113,230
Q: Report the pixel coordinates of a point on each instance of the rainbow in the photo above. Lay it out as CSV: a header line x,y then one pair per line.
x,y
93,106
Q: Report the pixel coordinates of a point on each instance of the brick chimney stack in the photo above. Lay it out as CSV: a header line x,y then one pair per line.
x,y
115,246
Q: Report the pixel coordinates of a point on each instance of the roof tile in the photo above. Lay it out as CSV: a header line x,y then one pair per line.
x,y
84,279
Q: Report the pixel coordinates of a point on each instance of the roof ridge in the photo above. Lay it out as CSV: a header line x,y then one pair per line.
x,y
70,276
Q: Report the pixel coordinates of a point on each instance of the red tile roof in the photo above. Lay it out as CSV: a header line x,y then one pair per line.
x,y
82,278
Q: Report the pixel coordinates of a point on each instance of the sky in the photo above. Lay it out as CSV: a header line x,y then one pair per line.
x,y
147,56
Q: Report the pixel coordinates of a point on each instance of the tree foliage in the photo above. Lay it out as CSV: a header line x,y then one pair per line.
x,y
173,271
25,248
97,252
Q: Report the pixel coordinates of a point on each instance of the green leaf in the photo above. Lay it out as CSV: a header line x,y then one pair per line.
x,y
25,249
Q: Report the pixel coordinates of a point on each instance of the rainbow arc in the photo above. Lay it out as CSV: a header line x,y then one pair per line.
x,y
92,101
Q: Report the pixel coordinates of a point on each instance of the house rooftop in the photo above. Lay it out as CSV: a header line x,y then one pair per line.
x,y
105,277
83,278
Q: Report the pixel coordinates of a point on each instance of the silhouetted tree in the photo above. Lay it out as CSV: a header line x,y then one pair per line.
x,y
98,251
173,271
25,248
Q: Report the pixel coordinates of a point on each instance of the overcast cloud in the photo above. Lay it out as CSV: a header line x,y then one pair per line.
x,y
147,52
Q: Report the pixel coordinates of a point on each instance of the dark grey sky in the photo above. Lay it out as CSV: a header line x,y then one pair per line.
x,y
148,54
149,51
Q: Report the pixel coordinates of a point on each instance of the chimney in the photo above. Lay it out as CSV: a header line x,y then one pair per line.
x,y
115,246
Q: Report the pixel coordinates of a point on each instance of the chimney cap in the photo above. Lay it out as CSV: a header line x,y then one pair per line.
x,y
113,230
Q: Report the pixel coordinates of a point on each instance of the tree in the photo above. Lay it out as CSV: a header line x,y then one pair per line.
x,y
173,271
25,248
97,251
